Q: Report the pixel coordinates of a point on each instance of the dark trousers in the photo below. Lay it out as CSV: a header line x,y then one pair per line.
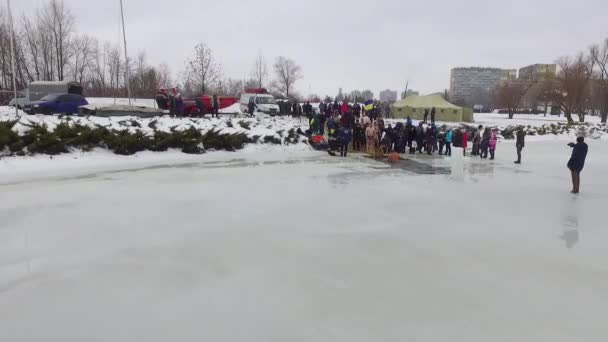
x,y
484,152
343,149
492,153
519,148
215,112
576,180
356,144
448,149
441,144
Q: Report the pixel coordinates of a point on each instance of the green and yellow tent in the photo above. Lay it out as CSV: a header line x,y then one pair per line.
x,y
414,107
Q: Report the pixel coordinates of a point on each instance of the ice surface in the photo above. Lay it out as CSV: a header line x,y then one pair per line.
x,y
292,245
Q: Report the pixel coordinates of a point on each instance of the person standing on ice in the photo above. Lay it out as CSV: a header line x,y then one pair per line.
x,y
448,142
433,116
441,139
493,141
485,143
577,162
520,143
476,140
426,115
420,137
465,141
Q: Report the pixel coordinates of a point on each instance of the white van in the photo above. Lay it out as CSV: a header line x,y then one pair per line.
x,y
264,103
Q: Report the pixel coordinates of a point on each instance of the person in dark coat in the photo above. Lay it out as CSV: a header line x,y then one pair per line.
x,y
411,139
251,107
429,139
307,108
520,143
420,138
357,131
457,139
216,107
433,115
441,139
357,110
200,105
476,140
345,135
426,115
485,143
179,105
577,162
322,120
294,109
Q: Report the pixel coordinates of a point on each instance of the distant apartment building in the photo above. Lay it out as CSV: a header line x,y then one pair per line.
x,y
388,95
538,72
467,84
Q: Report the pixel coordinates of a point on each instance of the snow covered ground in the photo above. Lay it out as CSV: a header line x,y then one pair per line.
x,y
261,125
285,244
527,119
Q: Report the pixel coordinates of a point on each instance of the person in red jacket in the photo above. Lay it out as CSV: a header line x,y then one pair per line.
x,y
344,108
465,141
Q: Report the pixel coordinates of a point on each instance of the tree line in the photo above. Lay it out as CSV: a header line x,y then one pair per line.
x,y
48,47
580,87
203,75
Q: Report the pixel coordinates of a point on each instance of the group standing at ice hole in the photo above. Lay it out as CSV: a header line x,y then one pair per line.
x,y
348,124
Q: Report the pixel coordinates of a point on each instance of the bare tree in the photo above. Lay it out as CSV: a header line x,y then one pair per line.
x,y
60,22
260,71
600,84
202,72
232,87
115,69
571,88
164,76
288,72
509,95
82,52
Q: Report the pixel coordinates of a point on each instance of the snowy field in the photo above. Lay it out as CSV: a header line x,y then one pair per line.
x,y
285,244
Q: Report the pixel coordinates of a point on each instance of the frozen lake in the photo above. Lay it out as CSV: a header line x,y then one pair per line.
x,y
299,246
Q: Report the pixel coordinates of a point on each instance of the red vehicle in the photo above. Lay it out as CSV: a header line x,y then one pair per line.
x,y
168,99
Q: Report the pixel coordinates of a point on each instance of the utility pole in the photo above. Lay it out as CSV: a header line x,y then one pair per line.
x,y
12,39
124,37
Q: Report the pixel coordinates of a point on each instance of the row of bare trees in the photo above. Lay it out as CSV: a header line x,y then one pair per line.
x,y
579,87
49,48
202,75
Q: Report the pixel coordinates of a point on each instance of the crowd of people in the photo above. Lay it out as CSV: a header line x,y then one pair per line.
x,y
366,130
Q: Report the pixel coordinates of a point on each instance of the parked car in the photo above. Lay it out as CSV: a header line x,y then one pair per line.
x,y
264,102
56,103
20,102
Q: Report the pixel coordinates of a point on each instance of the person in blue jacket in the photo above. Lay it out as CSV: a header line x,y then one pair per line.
x,y
577,162
408,123
345,135
448,142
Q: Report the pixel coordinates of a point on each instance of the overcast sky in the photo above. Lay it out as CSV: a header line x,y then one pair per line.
x,y
374,44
